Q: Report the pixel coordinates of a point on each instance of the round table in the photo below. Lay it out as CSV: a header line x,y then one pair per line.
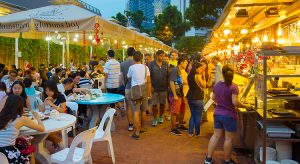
x,y
105,99
51,125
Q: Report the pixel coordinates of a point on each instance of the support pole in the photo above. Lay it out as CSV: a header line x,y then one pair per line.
x,y
91,51
63,54
48,53
17,52
68,50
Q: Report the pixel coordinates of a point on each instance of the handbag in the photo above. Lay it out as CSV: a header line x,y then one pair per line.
x,y
139,92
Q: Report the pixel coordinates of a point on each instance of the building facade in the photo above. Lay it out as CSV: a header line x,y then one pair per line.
x,y
160,5
147,7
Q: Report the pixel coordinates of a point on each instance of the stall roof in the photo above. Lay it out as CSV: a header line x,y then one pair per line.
x,y
36,23
257,19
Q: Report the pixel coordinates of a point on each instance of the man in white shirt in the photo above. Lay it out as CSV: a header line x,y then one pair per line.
x,y
136,74
218,69
112,74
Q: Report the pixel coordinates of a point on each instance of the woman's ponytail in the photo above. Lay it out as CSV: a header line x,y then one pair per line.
x,y
227,74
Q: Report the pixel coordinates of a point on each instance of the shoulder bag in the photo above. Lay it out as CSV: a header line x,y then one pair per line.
x,y
139,92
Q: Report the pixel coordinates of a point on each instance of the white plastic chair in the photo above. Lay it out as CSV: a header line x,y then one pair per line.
x,y
105,135
3,159
74,154
74,107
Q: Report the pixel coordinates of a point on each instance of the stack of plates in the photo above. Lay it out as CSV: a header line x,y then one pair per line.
x,y
270,154
284,150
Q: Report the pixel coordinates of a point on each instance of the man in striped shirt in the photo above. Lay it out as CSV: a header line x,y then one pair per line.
x,y
112,73
84,82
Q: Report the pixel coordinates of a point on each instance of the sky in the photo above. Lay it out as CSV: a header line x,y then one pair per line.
x,y
110,8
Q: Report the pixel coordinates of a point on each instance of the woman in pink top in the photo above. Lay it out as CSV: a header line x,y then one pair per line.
x,y
226,97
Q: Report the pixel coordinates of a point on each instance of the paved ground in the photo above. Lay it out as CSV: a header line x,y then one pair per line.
x,y
158,146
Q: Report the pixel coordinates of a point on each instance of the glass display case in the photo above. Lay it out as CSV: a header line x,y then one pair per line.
x,y
277,85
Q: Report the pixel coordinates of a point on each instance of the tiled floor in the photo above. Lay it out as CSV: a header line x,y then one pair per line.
x,y
158,146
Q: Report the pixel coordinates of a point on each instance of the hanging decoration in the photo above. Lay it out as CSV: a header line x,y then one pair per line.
x,y
96,31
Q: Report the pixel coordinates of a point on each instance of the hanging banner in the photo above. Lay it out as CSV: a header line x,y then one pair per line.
x,y
77,25
52,18
15,27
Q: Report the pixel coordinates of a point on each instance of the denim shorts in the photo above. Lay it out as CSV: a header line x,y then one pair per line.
x,y
224,122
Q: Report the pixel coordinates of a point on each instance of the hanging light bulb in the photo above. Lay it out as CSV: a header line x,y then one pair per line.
x,y
48,38
244,31
75,39
90,37
76,35
227,32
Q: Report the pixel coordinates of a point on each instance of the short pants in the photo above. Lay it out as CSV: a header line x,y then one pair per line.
x,y
224,122
159,98
177,106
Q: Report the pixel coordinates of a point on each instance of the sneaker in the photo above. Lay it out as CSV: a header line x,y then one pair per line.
x,y
191,135
176,132
130,127
182,128
135,136
207,160
154,122
229,162
160,119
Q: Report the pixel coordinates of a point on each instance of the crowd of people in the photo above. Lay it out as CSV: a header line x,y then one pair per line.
x,y
167,84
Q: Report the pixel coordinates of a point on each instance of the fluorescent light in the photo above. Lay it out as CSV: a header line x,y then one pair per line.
x,y
222,40
230,40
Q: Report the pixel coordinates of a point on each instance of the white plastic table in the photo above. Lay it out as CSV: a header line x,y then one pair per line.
x,y
104,100
51,125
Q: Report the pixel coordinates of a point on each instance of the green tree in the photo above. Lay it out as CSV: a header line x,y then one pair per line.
x,y
190,45
203,13
121,18
169,25
137,17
